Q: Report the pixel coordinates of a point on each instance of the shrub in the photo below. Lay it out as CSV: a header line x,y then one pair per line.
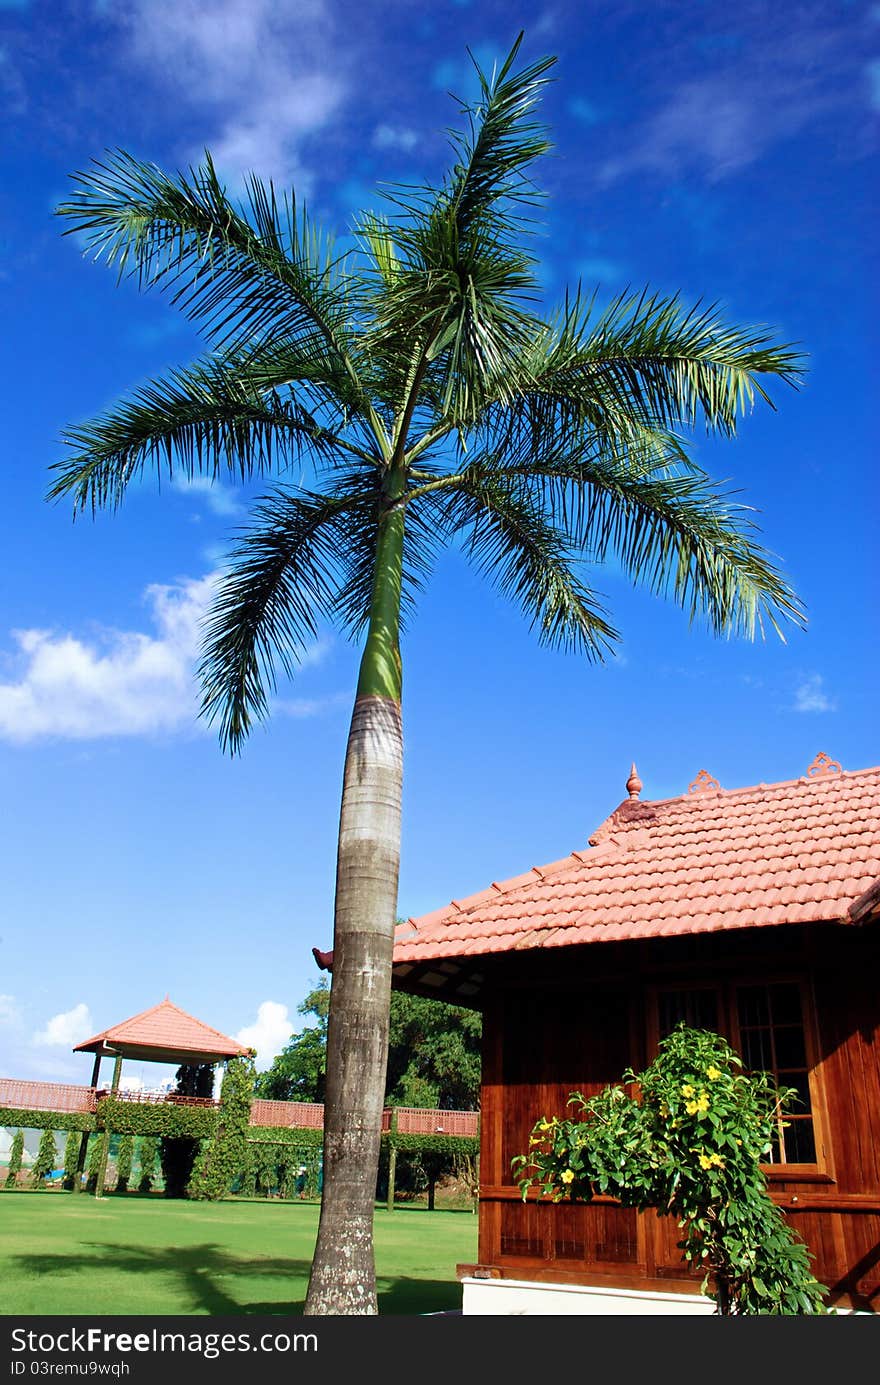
x,y
148,1158
124,1158
224,1157
47,1158
16,1153
71,1157
689,1144
93,1162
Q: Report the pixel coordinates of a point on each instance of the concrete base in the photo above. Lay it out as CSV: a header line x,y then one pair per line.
x,y
520,1297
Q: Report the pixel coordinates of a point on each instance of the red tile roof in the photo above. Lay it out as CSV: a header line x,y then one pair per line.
x,y
797,852
168,1029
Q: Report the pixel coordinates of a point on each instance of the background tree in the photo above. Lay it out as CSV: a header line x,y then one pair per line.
x,y
16,1155
47,1158
298,1073
433,1054
178,1153
424,401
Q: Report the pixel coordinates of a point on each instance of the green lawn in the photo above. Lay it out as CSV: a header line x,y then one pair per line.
x,y
67,1254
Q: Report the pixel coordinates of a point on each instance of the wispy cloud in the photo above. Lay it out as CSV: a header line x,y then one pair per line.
x,y
260,76
122,682
220,499
395,137
67,1029
269,1033
810,695
10,1013
781,80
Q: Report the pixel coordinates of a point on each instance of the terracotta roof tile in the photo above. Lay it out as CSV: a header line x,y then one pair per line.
x,y
165,1026
805,850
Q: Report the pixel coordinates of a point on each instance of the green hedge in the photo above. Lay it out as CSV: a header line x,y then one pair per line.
x,y
432,1144
47,1120
200,1122
161,1118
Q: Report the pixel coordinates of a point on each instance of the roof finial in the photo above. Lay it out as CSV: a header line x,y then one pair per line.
x,y
704,783
823,764
634,783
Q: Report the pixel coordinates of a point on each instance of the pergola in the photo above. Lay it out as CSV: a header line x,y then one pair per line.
x,y
162,1034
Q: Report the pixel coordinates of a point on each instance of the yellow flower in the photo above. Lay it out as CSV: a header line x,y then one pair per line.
x,y
713,1073
703,1101
717,1160
687,1089
567,1176
692,1108
706,1162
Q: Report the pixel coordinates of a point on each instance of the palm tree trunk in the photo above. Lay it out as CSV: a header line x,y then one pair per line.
x,y
343,1278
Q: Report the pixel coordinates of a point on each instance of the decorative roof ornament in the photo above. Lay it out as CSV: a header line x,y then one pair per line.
x,y
823,764
634,783
704,783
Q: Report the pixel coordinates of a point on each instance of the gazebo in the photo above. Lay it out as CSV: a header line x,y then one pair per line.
x,y
162,1034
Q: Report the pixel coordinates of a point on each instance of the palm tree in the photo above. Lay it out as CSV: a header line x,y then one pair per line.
x,y
416,385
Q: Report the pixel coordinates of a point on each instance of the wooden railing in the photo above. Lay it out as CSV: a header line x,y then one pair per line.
x,y
299,1115
296,1115
416,1120
45,1096
155,1098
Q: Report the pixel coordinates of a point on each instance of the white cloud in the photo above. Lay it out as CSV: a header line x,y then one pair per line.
x,y
9,1011
395,137
119,683
67,1029
269,1033
265,75
222,500
810,695
123,682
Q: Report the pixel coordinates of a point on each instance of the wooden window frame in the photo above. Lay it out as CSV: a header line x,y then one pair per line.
x,y
725,988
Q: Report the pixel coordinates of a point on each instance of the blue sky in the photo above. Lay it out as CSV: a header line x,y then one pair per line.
x,y
724,152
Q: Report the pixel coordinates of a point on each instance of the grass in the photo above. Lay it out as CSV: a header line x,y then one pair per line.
x,y
66,1254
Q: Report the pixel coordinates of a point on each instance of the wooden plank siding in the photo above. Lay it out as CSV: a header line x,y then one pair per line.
x,y
576,1019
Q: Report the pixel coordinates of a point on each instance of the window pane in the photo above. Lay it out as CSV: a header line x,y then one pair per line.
x,y
757,1051
799,1081
698,1009
752,1004
800,1145
785,1003
790,1048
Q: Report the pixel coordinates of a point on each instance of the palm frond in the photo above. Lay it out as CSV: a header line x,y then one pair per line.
x,y
280,582
647,362
240,277
209,417
528,558
673,531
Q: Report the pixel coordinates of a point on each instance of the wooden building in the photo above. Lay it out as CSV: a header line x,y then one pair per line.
x,y
753,912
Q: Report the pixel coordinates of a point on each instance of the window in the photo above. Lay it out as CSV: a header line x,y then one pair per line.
x,y
772,1039
768,1025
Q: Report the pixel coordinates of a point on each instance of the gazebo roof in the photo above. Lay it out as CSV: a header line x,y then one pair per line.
x,y
164,1034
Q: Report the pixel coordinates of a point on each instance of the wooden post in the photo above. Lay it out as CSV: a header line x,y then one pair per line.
x,y
105,1138
392,1158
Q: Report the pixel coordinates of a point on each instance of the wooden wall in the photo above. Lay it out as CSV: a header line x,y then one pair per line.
x,y
574,1019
